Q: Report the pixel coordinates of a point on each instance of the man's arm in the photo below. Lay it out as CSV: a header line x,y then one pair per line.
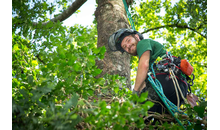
x,y
143,67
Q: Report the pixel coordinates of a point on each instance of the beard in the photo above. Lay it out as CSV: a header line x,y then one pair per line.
x,y
134,53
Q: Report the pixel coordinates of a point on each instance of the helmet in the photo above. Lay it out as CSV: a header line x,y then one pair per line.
x,y
116,38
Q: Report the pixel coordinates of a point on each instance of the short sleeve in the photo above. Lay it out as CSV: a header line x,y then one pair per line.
x,y
142,46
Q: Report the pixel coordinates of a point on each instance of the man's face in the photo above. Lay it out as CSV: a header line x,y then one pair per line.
x,y
129,44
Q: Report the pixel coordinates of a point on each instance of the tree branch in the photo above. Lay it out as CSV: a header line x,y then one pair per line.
x,y
169,118
175,25
38,57
65,14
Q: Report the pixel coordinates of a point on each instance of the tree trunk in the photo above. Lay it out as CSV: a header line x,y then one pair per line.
x,y
111,16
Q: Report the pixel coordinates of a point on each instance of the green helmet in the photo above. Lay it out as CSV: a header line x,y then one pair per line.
x,y
116,38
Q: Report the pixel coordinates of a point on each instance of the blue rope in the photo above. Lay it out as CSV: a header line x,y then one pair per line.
x,y
172,108
160,89
129,15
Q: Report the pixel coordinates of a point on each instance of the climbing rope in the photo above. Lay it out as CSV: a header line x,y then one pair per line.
x,y
129,15
176,86
172,108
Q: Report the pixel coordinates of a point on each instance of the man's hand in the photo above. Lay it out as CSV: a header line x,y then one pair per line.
x,y
135,92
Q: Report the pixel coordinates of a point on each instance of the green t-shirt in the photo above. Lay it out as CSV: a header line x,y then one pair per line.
x,y
156,49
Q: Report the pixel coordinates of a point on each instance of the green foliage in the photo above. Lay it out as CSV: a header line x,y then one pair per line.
x,y
54,68
54,84
119,115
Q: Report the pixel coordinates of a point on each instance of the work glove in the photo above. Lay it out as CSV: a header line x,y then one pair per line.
x,y
135,92
142,96
134,101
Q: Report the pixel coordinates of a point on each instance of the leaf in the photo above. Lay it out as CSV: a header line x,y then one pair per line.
x,y
24,93
77,67
52,106
30,79
122,121
198,127
62,55
74,116
14,106
90,92
118,127
81,102
51,86
34,62
15,47
102,50
84,49
97,72
116,89
96,50
72,102
143,97
102,104
91,60
147,105
200,111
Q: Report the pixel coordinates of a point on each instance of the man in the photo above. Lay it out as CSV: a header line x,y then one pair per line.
x,y
147,50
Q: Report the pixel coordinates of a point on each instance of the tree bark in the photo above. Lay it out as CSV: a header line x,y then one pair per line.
x,y
111,16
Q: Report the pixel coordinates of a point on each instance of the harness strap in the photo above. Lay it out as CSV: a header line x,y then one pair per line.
x,y
168,61
169,77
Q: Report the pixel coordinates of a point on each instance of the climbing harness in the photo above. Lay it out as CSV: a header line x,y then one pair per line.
x,y
172,108
181,70
169,64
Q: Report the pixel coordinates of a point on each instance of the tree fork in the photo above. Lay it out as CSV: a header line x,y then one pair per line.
x,y
111,16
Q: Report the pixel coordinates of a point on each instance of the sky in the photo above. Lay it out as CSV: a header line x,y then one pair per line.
x,y
85,17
